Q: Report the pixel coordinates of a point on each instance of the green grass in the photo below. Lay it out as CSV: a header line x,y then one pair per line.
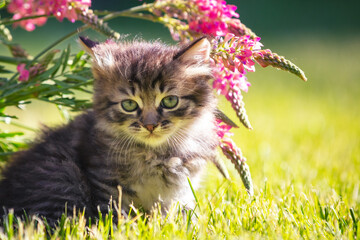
x,y
304,156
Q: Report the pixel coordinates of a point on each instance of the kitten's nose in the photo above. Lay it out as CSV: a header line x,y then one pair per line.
x,y
149,120
150,127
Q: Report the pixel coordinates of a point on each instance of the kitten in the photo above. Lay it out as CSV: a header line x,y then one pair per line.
x,y
151,128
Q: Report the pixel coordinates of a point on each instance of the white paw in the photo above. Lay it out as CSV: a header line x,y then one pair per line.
x,y
174,162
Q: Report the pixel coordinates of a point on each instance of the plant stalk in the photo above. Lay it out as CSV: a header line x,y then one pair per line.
x,y
16,124
13,60
8,21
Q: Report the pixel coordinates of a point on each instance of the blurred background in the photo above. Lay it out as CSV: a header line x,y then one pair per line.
x,y
305,134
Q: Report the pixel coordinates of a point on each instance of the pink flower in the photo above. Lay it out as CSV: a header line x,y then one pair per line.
x,y
232,59
231,151
59,8
213,17
223,129
24,74
226,144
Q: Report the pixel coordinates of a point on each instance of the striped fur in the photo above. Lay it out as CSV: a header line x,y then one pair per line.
x,y
83,163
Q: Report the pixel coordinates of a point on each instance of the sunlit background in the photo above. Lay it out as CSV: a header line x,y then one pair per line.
x,y
305,134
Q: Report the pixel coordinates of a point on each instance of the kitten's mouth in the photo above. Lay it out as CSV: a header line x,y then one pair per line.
x,y
153,139
152,135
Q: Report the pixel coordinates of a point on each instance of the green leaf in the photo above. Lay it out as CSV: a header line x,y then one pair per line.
x,y
72,103
194,194
10,135
77,58
66,58
76,77
2,3
3,115
8,146
222,116
58,64
13,60
3,70
62,84
46,60
48,74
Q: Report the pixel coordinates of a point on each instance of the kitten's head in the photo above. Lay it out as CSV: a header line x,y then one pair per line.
x,y
151,92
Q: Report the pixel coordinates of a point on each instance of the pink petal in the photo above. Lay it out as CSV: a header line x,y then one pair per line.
x,y
23,73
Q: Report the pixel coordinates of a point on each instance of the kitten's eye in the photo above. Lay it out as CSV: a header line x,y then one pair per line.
x,y
169,102
129,105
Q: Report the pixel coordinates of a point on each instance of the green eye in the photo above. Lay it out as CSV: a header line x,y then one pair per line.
x,y
169,102
129,105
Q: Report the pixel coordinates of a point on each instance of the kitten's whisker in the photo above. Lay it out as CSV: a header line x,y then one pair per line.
x,y
120,153
117,141
199,141
184,135
112,148
179,139
117,152
113,154
129,146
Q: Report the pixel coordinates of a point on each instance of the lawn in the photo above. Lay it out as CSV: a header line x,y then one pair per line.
x,y
304,156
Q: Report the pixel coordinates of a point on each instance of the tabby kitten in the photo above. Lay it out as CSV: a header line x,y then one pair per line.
x,y
151,127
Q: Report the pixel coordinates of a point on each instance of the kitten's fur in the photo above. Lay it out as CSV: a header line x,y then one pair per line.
x,y
82,163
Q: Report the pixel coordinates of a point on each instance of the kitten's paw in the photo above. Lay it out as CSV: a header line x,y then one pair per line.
x,y
174,162
176,166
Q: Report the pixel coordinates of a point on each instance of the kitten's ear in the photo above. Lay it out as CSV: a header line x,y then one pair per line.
x,y
199,50
88,45
101,56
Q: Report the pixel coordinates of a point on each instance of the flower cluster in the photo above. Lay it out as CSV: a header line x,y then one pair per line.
x,y
198,17
212,18
232,58
267,58
232,152
223,129
87,16
17,51
26,74
58,8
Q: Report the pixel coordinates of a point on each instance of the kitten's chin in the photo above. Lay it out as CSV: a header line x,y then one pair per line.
x,y
153,140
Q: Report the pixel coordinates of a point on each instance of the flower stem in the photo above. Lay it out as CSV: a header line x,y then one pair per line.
x,y
13,60
124,13
81,29
109,14
234,154
8,21
17,124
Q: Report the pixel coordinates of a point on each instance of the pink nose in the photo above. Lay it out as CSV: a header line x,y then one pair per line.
x,y
150,127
